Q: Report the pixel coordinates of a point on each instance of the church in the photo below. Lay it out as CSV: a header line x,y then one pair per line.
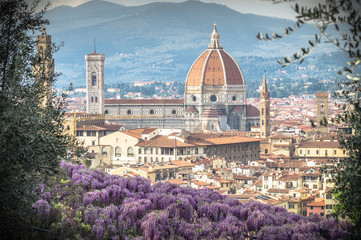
x,y
215,97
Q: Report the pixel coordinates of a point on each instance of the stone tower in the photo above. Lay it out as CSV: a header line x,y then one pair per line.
x,y
44,68
264,110
322,111
95,82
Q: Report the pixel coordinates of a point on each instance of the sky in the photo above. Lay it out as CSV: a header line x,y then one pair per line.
x,y
259,7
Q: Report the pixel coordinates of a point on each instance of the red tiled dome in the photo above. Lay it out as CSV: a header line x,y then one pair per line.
x,y
215,67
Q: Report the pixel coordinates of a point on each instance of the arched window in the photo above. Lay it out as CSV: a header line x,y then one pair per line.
x,y
41,50
140,151
196,151
162,159
262,111
91,99
94,79
130,152
96,99
145,160
156,159
118,151
151,159
104,151
139,159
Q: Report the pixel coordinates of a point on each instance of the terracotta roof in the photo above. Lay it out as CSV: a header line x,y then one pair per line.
x,y
231,140
201,183
321,144
145,101
280,136
252,111
316,204
181,163
163,141
148,130
237,109
191,109
275,190
214,67
176,181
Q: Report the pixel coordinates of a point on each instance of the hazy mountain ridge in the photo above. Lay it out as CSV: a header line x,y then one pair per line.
x,y
159,41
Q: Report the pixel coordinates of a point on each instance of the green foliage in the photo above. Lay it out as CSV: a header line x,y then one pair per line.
x,y
344,18
31,134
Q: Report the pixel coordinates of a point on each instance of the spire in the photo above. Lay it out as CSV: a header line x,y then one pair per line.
x,y
94,46
215,44
264,92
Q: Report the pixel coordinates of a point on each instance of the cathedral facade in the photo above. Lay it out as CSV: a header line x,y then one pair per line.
x,y
214,99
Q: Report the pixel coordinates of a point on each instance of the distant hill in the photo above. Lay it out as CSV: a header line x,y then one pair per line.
x,y
160,41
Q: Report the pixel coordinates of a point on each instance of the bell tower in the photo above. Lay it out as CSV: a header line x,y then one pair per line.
x,y
322,111
95,82
44,68
264,110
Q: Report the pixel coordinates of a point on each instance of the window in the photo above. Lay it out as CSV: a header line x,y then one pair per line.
x,y
311,207
266,150
328,196
322,214
194,98
328,206
93,143
300,152
326,153
91,133
174,112
308,151
311,214
106,112
213,98
79,133
151,112
322,207
130,152
96,99
262,111
304,204
118,151
317,152
291,206
156,151
304,213
196,151
94,79
129,112
151,151
335,152
104,151
234,98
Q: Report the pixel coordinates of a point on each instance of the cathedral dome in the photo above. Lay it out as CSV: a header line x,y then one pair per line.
x,y
215,67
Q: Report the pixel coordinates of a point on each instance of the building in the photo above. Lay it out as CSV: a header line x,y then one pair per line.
x,y
44,69
322,148
152,145
265,125
214,99
316,207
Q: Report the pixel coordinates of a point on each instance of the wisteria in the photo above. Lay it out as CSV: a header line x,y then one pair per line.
x,y
90,204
